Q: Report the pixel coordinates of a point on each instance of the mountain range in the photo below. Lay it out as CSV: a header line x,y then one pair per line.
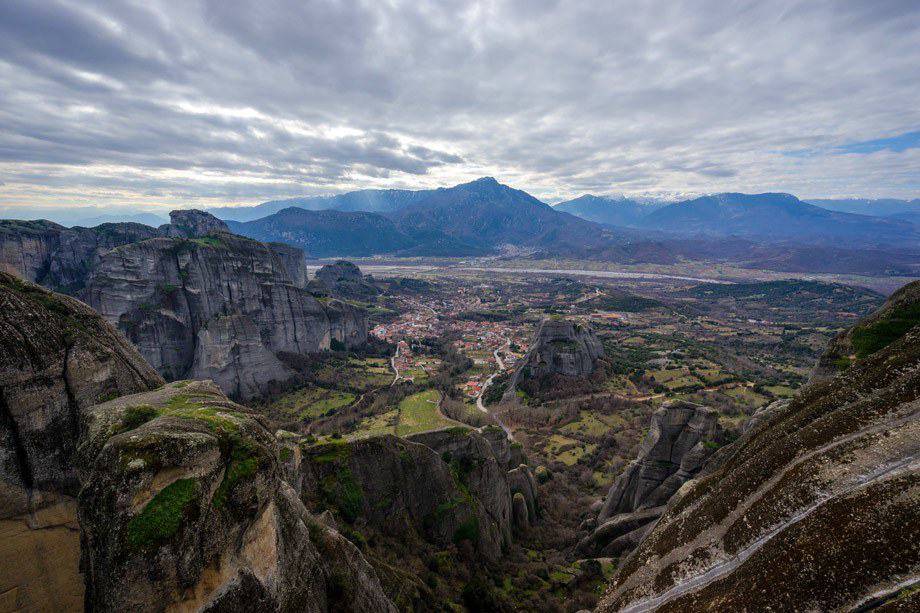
x,y
773,231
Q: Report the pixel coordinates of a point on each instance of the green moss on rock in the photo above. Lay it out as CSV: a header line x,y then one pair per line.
x,y
163,515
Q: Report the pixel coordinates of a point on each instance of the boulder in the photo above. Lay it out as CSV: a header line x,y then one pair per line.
x,y
183,507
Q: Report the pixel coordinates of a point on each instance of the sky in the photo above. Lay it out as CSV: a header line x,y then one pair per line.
x,y
157,104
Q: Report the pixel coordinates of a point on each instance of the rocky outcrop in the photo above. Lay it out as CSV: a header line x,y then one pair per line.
x,y
192,223
221,307
682,435
444,487
59,257
560,348
183,508
344,280
813,508
57,357
898,315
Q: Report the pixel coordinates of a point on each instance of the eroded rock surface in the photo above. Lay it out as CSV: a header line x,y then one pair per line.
x,y
817,507
222,308
192,223
898,315
58,257
57,357
682,435
184,508
197,301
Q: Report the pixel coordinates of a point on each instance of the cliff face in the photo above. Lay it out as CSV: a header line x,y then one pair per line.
x,y
57,357
59,257
183,507
560,348
218,307
682,435
443,486
814,508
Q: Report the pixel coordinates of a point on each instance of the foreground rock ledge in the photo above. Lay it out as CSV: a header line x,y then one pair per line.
x,y
183,508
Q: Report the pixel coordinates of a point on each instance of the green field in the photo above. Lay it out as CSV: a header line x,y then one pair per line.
x,y
419,413
376,425
747,396
357,374
571,455
309,403
592,424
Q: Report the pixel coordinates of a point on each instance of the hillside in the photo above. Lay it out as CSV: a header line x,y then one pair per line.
x,y
777,217
813,508
368,200
609,211
487,214
328,233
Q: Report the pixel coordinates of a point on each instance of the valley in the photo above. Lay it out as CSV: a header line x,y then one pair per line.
x,y
457,335
450,431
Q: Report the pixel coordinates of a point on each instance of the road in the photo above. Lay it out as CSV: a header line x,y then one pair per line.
x,y
393,366
485,386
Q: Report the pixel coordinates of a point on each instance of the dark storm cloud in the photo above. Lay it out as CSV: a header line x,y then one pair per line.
x,y
167,102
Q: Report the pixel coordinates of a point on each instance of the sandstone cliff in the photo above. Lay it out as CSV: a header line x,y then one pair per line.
x,y
59,257
813,508
183,508
57,357
221,307
560,348
682,435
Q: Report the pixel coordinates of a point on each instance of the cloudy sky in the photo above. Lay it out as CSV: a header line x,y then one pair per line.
x,y
204,102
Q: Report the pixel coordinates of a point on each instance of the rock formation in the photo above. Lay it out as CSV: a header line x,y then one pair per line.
x,y
343,280
59,257
443,486
197,301
183,507
814,508
900,313
560,348
192,223
57,358
222,307
681,437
